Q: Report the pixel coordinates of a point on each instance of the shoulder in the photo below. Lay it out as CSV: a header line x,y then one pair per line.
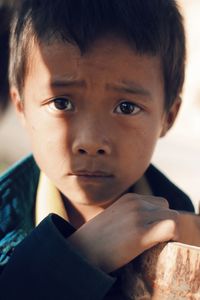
x,y
163,187
22,167
20,178
17,195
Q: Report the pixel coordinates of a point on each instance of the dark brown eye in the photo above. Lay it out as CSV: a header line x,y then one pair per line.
x,y
127,108
61,103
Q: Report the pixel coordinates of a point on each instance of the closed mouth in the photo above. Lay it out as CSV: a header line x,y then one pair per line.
x,y
89,174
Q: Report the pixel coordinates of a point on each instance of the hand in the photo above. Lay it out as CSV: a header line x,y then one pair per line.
x,y
124,230
188,229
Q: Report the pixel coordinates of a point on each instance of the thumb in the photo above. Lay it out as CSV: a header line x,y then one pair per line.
x,y
161,231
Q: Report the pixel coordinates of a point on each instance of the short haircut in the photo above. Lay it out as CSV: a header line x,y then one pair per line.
x,y
6,11
151,27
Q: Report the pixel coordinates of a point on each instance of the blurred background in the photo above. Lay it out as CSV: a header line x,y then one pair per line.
x,y
177,154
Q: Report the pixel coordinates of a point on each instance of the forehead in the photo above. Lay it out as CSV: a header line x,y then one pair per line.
x,y
108,60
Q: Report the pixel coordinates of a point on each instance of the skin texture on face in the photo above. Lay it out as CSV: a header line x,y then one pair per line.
x,y
93,119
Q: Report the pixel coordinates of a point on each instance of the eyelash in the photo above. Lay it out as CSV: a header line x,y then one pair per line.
x,y
123,108
135,109
59,101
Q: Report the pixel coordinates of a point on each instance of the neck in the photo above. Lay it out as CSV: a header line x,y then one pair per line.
x,y
78,214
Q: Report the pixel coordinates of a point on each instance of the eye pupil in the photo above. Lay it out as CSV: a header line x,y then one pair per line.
x,y
127,107
60,103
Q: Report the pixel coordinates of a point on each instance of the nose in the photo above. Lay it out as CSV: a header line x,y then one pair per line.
x,y
91,142
92,148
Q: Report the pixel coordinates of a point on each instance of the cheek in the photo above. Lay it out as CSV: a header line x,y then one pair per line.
x,y
148,139
135,159
137,147
140,136
46,131
50,145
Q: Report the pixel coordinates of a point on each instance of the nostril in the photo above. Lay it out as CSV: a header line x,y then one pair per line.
x,y
101,151
82,151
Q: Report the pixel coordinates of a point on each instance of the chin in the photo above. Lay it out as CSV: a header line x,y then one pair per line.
x,y
90,199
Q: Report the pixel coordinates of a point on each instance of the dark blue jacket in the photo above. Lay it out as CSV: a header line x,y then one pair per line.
x,y
43,265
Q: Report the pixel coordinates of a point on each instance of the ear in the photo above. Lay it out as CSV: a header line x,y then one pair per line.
x,y
170,116
18,104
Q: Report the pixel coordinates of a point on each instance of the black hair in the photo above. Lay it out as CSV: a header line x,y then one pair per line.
x,y
6,12
152,27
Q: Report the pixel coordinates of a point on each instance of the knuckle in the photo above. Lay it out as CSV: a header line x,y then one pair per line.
x,y
133,199
163,201
126,197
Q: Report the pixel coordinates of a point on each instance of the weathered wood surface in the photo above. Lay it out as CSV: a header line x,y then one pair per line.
x,y
168,271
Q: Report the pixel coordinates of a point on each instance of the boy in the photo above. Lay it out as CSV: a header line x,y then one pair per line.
x,y
95,83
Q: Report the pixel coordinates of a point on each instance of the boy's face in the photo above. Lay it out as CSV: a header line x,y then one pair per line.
x,y
93,119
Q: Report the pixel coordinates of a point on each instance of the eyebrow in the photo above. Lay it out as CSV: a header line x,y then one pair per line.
x,y
127,86
124,86
60,83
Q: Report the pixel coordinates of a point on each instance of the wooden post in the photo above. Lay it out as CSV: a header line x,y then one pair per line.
x,y
169,271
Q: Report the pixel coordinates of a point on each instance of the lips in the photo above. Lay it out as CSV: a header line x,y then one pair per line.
x,y
91,174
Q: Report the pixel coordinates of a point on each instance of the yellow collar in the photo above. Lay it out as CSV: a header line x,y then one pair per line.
x,y
49,200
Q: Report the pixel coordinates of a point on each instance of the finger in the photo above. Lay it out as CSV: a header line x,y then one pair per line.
x,y
158,201
161,231
156,216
